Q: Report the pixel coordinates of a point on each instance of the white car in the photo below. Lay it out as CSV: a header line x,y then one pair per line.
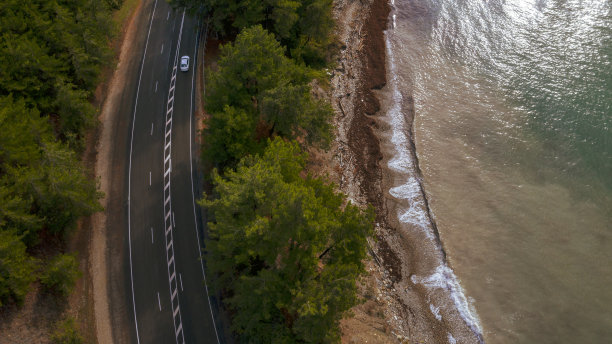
x,y
185,63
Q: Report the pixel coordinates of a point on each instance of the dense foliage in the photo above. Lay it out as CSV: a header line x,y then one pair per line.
x,y
61,274
42,183
303,26
258,92
16,268
43,187
286,249
51,53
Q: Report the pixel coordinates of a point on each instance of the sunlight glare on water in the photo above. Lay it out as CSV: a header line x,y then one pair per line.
x,y
513,127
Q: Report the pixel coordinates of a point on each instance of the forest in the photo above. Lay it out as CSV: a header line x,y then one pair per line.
x,y
51,56
285,249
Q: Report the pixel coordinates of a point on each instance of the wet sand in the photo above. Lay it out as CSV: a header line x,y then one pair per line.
x,y
407,258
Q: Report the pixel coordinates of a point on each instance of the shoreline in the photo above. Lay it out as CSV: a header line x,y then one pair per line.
x,y
360,154
413,234
408,277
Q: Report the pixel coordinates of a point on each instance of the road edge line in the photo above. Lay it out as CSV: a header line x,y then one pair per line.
x,y
195,218
144,55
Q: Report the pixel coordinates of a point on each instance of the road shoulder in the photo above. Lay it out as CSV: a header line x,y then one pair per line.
x,y
107,239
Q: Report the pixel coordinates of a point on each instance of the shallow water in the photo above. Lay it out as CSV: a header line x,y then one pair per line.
x,y
513,131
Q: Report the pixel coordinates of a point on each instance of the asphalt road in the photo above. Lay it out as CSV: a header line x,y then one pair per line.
x,y
165,279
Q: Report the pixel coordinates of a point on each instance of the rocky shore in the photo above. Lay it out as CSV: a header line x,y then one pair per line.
x,y
395,309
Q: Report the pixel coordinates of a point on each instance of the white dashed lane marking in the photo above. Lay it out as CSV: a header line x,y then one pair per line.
x,y
168,221
144,56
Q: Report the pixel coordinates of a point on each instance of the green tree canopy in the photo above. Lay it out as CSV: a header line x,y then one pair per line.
x,y
51,53
230,135
61,274
42,183
303,26
257,92
292,112
16,268
253,63
285,248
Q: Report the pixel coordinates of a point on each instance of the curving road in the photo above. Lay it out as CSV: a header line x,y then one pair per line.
x,y
164,277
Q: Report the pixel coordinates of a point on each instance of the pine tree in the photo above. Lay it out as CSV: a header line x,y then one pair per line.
x,y
304,27
17,268
61,274
40,174
256,93
51,54
285,249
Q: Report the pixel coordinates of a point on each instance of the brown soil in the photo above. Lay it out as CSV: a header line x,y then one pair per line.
x,y
34,321
353,162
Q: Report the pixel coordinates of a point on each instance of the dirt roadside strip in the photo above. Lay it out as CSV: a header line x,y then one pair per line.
x,y
99,260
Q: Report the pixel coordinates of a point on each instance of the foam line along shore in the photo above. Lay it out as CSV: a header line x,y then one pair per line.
x,y
423,298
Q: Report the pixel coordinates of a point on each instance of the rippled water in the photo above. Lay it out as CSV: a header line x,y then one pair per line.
x,y
513,131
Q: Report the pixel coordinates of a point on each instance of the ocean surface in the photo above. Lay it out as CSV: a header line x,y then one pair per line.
x,y
513,135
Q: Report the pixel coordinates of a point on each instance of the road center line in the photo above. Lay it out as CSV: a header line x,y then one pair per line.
x,y
149,178
162,50
168,17
156,87
151,128
159,301
181,279
169,223
151,235
173,224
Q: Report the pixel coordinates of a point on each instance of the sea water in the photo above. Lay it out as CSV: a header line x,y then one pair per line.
x,y
513,134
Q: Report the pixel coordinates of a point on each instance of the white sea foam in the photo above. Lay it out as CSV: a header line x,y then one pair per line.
x,y
402,162
410,190
415,214
435,311
443,277
451,339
